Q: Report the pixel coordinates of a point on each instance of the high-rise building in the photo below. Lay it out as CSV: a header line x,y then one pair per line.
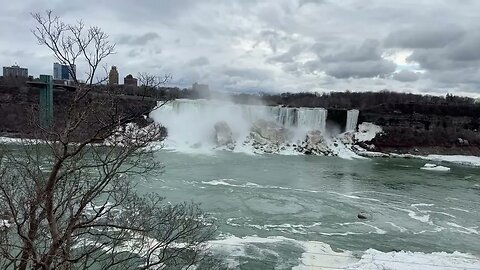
x,y
113,76
202,90
130,80
63,72
15,71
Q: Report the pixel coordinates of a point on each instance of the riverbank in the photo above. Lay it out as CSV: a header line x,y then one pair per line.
x,y
468,160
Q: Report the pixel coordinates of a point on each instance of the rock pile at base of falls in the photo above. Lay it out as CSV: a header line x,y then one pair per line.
x,y
267,136
224,135
314,144
270,137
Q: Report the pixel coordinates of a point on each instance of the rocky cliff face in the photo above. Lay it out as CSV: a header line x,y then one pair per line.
x,y
410,129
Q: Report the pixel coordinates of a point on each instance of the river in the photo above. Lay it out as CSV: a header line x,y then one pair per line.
x,y
284,212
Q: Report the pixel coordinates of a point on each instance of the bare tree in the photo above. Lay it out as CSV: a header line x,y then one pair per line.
x,y
152,81
149,84
68,198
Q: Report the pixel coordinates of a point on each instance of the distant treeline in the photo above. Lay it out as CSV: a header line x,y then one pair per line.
x,y
382,102
356,100
342,100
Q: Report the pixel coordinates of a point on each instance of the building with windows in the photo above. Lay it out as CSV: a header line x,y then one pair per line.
x,y
15,72
63,72
130,80
113,76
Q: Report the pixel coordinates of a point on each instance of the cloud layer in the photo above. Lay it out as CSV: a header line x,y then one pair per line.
x,y
428,46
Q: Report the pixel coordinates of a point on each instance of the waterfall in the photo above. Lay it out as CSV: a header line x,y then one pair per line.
x,y
312,118
191,121
352,120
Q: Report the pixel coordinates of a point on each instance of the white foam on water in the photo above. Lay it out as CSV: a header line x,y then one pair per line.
x,y
471,230
320,255
414,215
291,228
459,209
5,223
422,204
224,182
234,183
340,233
377,230
353,196
232,247
442,213
400,228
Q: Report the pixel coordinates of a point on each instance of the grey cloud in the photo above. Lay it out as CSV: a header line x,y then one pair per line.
x,y
368,51
250,73
406,76
133,53
364,61
456,63
200,61
456,76
365,69
466,50
17,53
271,37
288,56
137,40
426,38
302,3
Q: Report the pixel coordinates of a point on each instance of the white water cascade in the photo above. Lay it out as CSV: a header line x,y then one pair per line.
x,y
191,122
352,120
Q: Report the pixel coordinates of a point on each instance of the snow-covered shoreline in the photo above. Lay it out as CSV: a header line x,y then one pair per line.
x,y
472,161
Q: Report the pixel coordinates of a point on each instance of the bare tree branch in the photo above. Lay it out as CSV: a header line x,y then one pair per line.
x,y
68,198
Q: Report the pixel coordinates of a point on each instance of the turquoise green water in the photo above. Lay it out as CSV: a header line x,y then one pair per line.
x,y
308,198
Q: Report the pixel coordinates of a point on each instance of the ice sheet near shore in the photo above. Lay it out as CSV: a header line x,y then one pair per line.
x,y
459,159
319,255
456,159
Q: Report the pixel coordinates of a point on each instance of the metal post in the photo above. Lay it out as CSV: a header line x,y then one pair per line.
x,y
46,101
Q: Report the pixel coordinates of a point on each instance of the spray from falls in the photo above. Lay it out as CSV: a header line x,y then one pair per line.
x,y
191,122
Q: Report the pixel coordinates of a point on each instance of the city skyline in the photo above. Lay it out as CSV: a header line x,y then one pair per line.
x,y
276,46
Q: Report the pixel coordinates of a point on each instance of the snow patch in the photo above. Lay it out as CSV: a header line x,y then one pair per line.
x,y
367,132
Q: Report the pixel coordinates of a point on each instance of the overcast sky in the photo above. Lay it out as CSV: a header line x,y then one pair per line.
x,y
426,46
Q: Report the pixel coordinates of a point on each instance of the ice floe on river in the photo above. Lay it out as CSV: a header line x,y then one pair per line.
x,y
434,167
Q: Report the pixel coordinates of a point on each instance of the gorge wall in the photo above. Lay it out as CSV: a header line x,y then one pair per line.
x,y
19,109
422,128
